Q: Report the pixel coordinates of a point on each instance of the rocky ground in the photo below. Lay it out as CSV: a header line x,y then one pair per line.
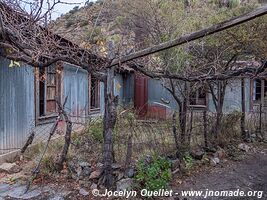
x,y
248,173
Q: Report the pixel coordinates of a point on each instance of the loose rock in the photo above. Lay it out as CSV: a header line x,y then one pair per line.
x,y
243,147
214,161
124,184
83,192
220,153
93,186
10,168
197,153
130,172
95,174
116,166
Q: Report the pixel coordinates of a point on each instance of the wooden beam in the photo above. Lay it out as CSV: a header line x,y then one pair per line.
x,y
194,36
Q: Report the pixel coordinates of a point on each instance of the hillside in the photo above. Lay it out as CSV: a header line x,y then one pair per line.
x,y
137,24
92,25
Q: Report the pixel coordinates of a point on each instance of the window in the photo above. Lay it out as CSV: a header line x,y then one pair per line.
x,y
198,97
94,94
48,90
259,91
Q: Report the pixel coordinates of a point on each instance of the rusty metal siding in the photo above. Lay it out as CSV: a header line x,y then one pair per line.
x,y
75,84
141,94
16,105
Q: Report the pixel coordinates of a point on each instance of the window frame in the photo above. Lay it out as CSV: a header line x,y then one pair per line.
x,y
97,109
253,86
196,94
47,118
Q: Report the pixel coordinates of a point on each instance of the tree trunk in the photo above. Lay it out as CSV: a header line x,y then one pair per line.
x,y
218,101
174,131
109,124
63,155
205,127
110,117
183,115
190,127
243,111
218,123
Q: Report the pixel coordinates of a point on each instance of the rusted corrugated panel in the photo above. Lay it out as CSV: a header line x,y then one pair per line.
x,y
16,104
140,94
76,88
156,112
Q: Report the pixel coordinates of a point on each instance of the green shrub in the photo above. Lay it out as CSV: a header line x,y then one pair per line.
x,y
84,23
188,160
48,164
69,23
96,130
154,175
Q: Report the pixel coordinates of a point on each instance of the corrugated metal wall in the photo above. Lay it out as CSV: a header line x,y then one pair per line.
x,y
232,99
16,104
157,93
232,102
76,88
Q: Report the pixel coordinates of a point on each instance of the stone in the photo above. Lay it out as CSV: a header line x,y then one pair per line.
x,y
197,153
220,153
175,164
253,135
243,147
84,171
130,172
93,186
116,166
214,161
83,192
124,184
57,198
120,176
99,165
95,174
84,164
19,193
10,168
79,169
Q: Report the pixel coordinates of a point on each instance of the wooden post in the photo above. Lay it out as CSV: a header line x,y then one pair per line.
x,y
174,130
190,126
205,127
129,153
243,109
109,124
260,125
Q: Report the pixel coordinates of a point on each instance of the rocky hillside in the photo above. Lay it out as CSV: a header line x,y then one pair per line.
x,y
92,25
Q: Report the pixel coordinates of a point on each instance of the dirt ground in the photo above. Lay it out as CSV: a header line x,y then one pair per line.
x,y
248,174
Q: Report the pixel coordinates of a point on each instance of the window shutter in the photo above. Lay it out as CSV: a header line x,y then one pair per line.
x,y
51,90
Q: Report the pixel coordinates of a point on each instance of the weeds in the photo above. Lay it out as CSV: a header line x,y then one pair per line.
x,y
188,160
153,175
